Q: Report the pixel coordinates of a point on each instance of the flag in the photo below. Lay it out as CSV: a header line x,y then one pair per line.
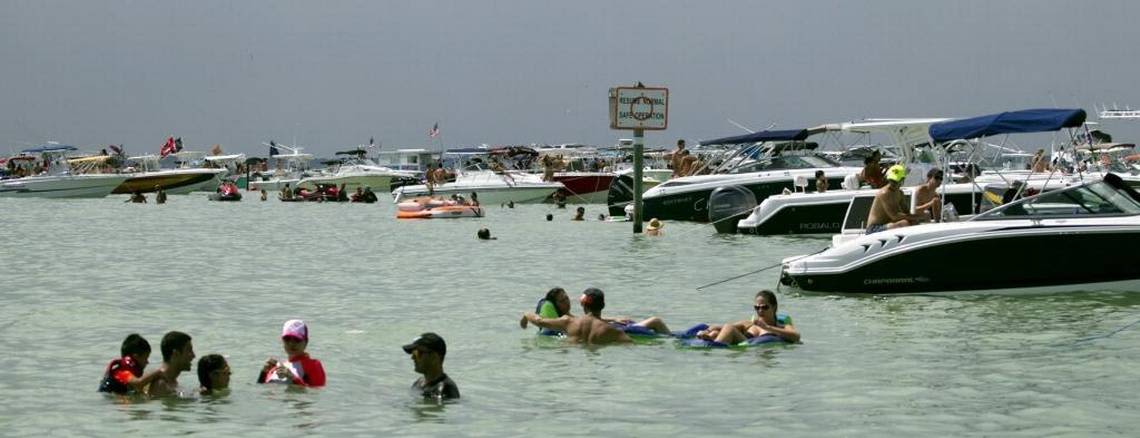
x,y
371,142
178,144
118,149
434,132
167,148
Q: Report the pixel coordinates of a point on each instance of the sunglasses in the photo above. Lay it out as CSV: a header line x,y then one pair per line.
x,y
764,307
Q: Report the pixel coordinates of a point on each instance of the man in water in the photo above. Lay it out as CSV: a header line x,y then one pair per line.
x,y
428,352
926,200
888,210
177,356
580,214
763,323
592,328
286,193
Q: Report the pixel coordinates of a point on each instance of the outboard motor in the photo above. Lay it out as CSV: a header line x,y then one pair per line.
x,y
620,195
728,205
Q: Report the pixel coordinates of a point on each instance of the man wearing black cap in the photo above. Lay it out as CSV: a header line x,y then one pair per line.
x,y
428,352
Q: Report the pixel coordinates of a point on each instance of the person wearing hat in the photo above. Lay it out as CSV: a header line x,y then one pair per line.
x,y
299,369
889,209
428,351
654,228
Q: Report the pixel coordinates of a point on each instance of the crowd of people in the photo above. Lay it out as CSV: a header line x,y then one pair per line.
x,y
127,375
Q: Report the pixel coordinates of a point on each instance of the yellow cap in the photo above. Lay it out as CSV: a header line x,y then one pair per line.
x,y
896,173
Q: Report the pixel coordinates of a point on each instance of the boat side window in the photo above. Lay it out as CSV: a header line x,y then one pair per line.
x,y
1093,199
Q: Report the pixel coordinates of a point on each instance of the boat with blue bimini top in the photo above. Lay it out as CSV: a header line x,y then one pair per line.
x,y
944,257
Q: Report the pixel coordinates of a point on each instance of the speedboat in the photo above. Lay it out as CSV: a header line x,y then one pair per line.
x,y
153,178
58,181
491,187
1037,239
357,171
774,169
289,169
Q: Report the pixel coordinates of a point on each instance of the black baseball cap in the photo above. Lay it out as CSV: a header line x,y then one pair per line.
x,y
430,341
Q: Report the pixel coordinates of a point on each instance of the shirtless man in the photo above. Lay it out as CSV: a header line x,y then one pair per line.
x,y
763,323
872,173
676,157
926,200
590,328
177,355
888,210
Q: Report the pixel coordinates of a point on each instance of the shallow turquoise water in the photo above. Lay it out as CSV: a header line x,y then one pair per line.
x,y
79,275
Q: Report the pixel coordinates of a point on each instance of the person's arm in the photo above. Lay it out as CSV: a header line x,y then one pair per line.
x,y
787,332
139,384
559,324
314,374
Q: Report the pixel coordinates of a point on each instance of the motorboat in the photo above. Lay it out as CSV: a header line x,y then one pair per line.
x,y
1033,232
767,167
290,165
147,176
1036,238
434,208
57,181
491,187
356,171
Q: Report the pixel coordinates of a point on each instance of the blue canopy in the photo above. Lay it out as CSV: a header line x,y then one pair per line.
x,y
781,135
1031,120
49,148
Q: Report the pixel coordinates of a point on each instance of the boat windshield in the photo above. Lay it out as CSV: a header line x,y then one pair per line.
x,y
785,162
1098,198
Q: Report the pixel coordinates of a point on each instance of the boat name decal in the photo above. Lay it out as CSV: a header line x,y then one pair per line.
x,y
904,280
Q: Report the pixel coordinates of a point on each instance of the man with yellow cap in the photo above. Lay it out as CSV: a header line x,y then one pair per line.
x,y
889,209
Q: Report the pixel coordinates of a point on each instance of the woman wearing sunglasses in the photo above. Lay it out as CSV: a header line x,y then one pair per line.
x,y
764,323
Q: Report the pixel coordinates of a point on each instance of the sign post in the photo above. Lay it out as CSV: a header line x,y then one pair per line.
x,y
639,108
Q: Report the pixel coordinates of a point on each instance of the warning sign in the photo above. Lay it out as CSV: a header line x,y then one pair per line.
x,y
639,108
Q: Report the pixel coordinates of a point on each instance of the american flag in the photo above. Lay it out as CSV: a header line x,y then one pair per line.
x,y
434,131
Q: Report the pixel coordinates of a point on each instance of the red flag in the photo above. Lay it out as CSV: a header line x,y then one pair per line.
x,y
167,148
434,132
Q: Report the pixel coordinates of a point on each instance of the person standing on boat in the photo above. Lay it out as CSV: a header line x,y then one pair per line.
x,y
675,159
820,181
889,209
926,200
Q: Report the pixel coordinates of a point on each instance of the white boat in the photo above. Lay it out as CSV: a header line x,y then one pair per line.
x,y
289,169
356,172
150,177
491,187
59,182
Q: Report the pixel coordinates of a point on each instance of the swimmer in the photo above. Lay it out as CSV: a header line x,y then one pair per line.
x,y
579,214
125,374
654,228
428,352
300,369
555,304
213,374
762,323
586,329
177,356
549,217
485,234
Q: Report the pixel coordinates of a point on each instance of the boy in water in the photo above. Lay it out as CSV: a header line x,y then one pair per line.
x,y
300,369
125,374
213,374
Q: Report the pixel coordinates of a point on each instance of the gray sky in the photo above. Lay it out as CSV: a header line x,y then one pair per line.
x,y
332,74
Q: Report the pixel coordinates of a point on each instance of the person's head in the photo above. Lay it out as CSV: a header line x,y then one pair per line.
x,y
581,210
561,301
818,174
765,305
294,337
681,143
177,350
601,216
428,352
549,217
593,300
896,174
360,190
877,155
935,175
868,161
654,225
137,348
158,188
213,372
286,185
484,234
263,192
474,196
367,189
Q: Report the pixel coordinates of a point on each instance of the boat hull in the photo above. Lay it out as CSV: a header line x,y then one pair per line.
x,y
376,182
692,205
63,186
585,187
170,181
487,195
1037,263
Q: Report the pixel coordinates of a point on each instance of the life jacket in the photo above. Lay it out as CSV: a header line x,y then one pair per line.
x,y
118,373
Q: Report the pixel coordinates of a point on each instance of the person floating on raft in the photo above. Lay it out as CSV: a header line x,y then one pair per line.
x,y
591,328
764,326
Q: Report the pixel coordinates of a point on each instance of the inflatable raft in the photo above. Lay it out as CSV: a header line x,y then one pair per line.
x,y
431,208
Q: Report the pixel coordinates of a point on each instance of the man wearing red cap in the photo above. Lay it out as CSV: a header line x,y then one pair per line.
x,y
300,369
